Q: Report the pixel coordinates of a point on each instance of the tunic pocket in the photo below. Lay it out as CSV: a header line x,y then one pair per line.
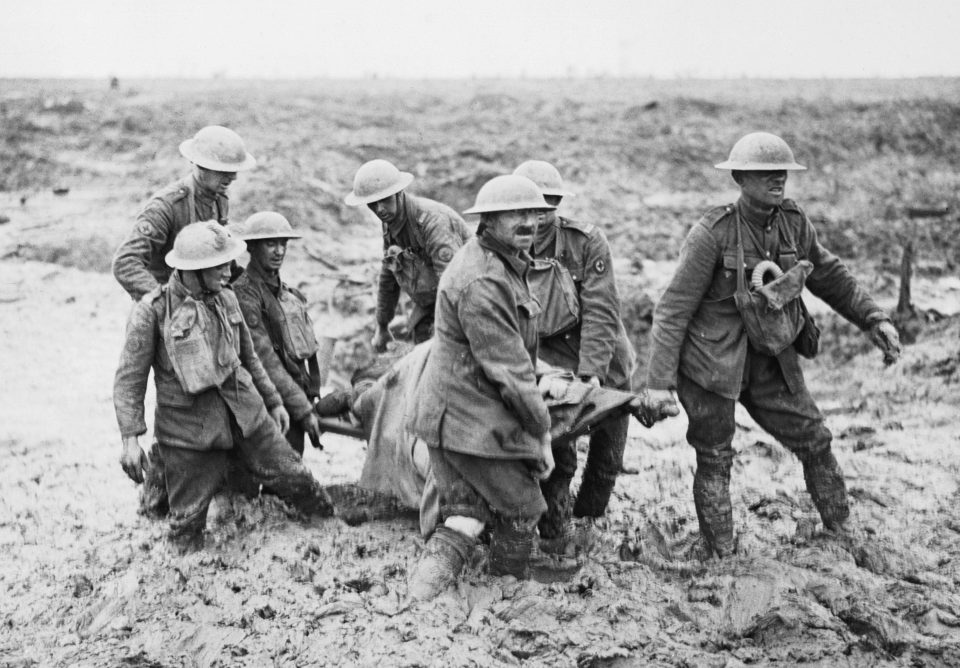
x,y
298,328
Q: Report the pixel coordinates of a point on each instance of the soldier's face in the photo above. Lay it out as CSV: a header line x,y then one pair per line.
x,y
268,253
386,208
549,216
216,182
766,187
514,228
215,278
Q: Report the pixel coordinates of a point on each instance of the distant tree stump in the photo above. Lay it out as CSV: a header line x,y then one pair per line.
x,y
908,320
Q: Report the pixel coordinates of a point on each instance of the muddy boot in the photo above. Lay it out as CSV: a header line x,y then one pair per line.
x,y
186,543
337,402
577,537
829,493
315,504
153,496
560,544
356,505
440,563
711,497
511,544
604,462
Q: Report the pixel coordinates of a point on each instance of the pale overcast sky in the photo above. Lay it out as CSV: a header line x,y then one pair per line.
x,y
437,38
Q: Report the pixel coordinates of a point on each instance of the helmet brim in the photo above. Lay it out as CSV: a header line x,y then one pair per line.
x,y
188,150
556,192
270,235
406,178
500,208
231,252
760,166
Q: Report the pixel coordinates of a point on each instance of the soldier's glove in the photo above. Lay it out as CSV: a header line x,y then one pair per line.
x,y
133,459
651,406
311,427
885,337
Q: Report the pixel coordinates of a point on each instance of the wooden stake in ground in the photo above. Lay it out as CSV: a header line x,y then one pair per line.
x,y
906,317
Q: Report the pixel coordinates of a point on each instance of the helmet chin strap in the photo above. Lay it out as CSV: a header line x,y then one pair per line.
x,y
198,273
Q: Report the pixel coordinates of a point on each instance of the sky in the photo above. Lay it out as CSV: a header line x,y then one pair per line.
x,y
492,38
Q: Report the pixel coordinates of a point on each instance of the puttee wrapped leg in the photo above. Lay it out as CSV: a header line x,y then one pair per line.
x,y
511,544
825,483
711,497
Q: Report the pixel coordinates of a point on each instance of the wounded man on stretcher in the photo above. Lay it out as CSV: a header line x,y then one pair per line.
x,y
396,478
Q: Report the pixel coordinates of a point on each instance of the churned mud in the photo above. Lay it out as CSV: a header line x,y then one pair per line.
x,y
86,581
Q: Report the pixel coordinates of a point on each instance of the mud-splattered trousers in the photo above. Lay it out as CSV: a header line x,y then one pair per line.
x,y
139,267
596,346
700,348
217,428
479,409
791,417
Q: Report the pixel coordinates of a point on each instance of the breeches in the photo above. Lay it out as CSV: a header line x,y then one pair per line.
x,y
484,488
793,419
193,477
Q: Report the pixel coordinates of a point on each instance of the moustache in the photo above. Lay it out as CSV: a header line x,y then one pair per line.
x,y
525,229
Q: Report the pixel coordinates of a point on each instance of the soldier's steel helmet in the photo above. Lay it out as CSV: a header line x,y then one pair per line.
x,y
510,192
265,225
544,175
218,148
204,245
376,180
760,151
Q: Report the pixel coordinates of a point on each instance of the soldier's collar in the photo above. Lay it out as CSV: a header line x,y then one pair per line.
x,y
395,226
256,271
546,234
756,213
519,260
202,193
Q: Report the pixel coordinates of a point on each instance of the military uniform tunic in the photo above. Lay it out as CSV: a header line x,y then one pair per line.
x,y
138,263
430,233
259,296
202,434
597,345
700,348
480,410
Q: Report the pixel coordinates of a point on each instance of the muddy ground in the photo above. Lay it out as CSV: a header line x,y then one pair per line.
x,y
85,581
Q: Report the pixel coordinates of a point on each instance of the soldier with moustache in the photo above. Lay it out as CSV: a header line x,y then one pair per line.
x,y
479,408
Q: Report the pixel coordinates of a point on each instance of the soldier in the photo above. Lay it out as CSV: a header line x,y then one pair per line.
x,y
217,155
420,237
279,324
479,410
700,345
581,331
213,395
